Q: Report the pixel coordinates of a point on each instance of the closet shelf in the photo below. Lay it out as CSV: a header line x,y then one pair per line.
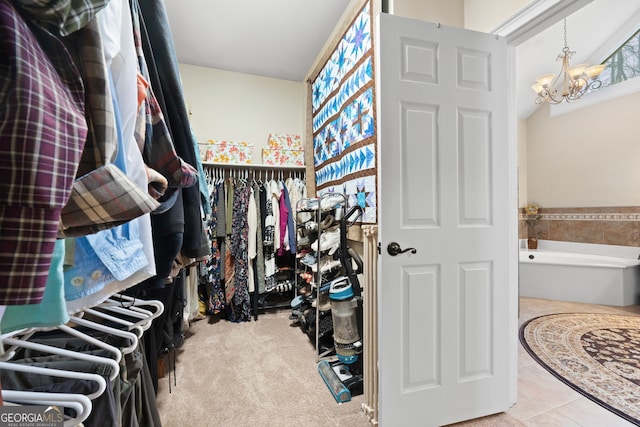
x,y
253,166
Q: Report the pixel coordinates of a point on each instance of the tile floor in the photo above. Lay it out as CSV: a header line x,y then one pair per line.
x,y
543,400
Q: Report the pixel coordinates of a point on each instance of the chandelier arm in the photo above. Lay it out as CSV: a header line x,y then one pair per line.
x,y
549,96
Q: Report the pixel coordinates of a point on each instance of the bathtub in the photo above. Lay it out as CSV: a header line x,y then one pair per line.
x,y
580,272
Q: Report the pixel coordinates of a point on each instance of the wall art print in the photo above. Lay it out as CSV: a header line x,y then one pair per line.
x,y
344,121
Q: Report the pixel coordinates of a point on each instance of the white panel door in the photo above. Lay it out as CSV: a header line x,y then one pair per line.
x,y
445,183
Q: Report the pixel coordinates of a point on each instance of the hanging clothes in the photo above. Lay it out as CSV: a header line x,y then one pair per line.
x,y
289,238
38,158
284,220
239,249
99,181
110,260
270,232
252,225
255,267
229,261
160,51
259,193
217,300
161,150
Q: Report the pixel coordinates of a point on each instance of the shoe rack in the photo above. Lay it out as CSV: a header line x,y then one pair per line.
x,y
323,259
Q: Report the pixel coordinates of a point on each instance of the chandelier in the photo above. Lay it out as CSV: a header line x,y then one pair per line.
x,y
571,83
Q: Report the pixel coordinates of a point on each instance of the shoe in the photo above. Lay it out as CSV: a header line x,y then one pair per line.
x,y
283,287
308,239
307,277
307,205
302,253
326,223
309,260
297,302
329,201
329,240
327,263
325,302
305,290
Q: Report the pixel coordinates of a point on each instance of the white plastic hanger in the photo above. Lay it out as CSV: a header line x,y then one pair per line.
x,y
78,402
130,311
133,338
99,380
130,325
115,367
132,307
26,334
144,317
117,354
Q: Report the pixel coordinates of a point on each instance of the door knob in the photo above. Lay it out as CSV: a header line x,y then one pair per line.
x,y
394,249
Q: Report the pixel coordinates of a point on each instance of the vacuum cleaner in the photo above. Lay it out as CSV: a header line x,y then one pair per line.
x,y
344,377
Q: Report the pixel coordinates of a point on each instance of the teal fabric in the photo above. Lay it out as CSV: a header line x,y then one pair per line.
x,y
51,311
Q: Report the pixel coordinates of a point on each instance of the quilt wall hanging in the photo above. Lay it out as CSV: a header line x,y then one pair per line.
x,y
344,119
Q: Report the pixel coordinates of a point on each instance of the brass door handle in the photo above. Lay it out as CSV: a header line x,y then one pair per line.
x,y
394,249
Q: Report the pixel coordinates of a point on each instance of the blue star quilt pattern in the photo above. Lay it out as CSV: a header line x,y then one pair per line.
x,y
344,119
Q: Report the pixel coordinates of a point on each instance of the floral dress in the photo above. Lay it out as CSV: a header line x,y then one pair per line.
x,y
216,295
239,250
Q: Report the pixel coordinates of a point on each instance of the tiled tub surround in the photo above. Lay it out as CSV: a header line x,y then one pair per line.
x,y
605,225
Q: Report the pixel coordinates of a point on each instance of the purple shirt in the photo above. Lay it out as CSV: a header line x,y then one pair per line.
x,y
42,134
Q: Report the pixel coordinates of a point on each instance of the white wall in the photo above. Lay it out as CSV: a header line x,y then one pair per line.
x,y
586,158
449,12
485,15
242,107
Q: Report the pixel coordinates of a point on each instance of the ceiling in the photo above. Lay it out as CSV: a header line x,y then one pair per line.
x,y
281,39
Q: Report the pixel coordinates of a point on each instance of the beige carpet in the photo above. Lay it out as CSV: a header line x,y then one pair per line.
x,y
260,373
597,355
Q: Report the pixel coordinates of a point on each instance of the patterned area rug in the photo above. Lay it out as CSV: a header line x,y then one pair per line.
x,y
598,355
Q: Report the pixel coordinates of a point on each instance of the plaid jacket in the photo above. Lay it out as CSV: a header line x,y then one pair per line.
x,y
42,134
